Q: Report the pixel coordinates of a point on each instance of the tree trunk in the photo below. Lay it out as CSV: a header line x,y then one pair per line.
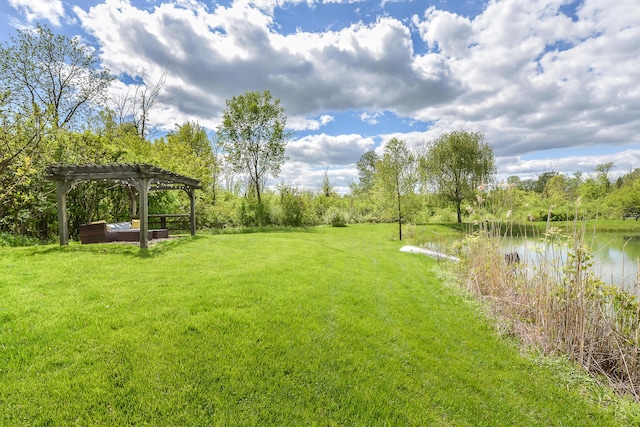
x,y
258,193
399,207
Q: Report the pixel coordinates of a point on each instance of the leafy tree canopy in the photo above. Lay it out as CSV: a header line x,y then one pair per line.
x,y
254,138
52,75
395,181
366,170
456,163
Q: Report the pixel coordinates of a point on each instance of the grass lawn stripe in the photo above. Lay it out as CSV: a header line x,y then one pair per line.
x,y
330,326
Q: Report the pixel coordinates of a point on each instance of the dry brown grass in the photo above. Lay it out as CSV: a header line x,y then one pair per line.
x,y
558,305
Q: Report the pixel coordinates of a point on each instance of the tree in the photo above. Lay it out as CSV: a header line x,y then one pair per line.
x,y
254,138
556,190
396,179
543,179
187,150
217,169
19,136
528,184
603,170
51,75
136,108
456,163
366,170
327,189
514,181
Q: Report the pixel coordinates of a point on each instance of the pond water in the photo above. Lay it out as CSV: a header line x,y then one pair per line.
x,y
615,255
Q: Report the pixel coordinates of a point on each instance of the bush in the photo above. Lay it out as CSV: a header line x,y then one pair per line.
x,y
7,239
336,217
253,213
443,216
292,206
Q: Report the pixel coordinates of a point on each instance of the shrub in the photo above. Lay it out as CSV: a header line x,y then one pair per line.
x,y
7,239
292,206
336,217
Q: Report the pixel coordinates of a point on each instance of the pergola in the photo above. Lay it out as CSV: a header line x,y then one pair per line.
x,y
141,177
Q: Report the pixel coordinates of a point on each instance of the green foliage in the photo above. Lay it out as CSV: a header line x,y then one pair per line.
x,y
603,178
255,213
336,217
293,206
395,182
13,240
254,138
224,213
187,150
543,179
457,163
443,216
327,189
366,171
52,75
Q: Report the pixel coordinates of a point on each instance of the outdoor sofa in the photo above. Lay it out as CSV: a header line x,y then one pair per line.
x,y
100,232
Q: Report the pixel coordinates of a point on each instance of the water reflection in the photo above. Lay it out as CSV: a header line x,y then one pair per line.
x,y
615,255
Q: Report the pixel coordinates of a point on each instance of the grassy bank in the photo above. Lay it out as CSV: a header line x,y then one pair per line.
x,y
553,300
329,326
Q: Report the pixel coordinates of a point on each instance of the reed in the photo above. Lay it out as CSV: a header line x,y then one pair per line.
x,y
552,300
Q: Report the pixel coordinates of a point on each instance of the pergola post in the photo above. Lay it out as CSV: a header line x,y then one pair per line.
x,y
192,217
133,207
62,189
143,188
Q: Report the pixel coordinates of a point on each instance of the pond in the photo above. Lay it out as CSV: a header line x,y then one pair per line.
x,y
615,255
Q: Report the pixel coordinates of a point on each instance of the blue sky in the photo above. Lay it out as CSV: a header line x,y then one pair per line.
x,y
552,84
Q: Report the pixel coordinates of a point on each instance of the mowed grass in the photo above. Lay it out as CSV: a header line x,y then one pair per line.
x,y
329,326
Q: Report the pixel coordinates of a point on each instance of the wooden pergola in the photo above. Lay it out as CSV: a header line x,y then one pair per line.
x,y
141,177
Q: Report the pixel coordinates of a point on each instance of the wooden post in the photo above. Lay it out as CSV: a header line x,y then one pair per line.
x,y
133,208
143,188
62,188
192,196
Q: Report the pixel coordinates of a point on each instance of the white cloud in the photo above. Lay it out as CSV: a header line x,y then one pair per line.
x,y
370,118
272,4
534,79
446,32
304,175
327,150
34,10
522,72
230,50
624,162
298,123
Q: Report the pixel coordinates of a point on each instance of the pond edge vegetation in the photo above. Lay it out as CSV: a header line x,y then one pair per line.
x,y
558,306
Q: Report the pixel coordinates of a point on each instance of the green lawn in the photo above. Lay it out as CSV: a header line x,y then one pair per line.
x,y
330,326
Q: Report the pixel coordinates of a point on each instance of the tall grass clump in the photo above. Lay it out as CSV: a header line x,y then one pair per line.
x,y
552,300
11,240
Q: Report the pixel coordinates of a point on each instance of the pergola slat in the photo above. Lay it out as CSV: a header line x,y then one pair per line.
x,y
142,177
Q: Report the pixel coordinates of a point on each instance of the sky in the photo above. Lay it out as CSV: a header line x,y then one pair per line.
x,y
553,85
